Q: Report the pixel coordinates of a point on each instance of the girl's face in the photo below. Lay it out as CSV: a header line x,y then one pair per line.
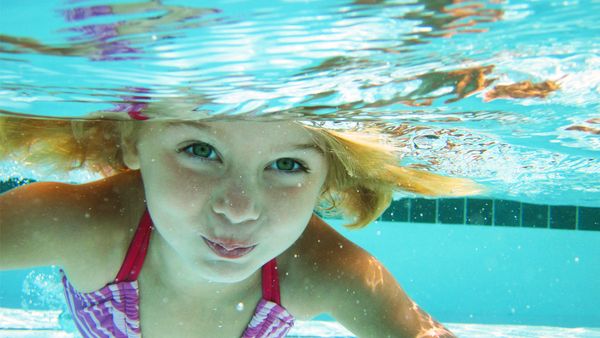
x,y
227,197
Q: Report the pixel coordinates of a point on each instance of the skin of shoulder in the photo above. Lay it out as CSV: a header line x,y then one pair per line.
x,y
83,228
327,273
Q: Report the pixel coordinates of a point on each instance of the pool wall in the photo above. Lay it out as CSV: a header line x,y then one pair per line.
x,y
482,274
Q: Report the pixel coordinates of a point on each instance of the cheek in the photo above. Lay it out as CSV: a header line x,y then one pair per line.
x,y
292,202
174,186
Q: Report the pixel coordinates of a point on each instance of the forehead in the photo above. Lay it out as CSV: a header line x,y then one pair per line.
x,y
278,132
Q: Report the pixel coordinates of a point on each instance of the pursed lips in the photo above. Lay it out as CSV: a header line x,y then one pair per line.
x,y
229,248
229,243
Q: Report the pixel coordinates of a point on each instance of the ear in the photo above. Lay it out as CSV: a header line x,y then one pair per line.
x,y
130,153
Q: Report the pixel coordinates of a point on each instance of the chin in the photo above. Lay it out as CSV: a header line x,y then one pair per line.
x,y
228,272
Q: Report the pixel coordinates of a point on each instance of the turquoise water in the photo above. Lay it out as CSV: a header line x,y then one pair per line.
x,y
429,71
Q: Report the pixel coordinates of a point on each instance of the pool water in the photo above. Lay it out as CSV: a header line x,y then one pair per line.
x,y
504,92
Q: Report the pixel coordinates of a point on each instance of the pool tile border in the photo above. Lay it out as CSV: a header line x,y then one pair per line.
x,y
493,212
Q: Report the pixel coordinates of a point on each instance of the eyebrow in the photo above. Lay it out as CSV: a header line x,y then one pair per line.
x,y
306,146
192,124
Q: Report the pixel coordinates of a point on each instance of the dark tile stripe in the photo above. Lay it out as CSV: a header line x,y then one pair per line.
x,y
451,211
13,183
589,219
397,211
563,217
534,215
507,213
479,211
422,210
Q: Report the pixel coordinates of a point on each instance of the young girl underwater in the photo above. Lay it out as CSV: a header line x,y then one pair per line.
x,y
208,229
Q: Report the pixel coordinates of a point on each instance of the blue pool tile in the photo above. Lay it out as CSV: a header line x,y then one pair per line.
x,y
397,211
13,183
479,211
507,213
422,210
451,210
589,219
534,215
563,217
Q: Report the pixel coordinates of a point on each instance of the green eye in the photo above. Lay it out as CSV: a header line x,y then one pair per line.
x,y
289,166
203,150
286,164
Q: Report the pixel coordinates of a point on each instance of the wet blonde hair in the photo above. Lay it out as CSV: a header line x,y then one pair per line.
x,y
362,173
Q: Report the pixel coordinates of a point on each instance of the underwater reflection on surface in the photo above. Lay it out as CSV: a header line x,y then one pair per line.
x,y
488,82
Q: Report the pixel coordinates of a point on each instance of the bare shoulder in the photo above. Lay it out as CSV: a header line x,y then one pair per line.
x,y
319,259
115,206
68,225
335,276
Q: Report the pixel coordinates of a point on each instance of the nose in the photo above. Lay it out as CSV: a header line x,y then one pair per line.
x,y
237,202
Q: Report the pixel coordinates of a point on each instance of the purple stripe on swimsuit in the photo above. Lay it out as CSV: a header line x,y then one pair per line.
x,y
269,320
113,311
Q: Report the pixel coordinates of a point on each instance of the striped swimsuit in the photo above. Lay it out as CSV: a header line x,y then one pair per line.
x,y
113,311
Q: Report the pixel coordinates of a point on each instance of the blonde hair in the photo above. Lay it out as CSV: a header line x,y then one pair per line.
x,y
62,145
363,171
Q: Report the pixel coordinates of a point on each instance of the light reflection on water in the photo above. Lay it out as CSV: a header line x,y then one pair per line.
x,y
505,92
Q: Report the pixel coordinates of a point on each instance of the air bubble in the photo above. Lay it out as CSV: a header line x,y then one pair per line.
x,y
240,306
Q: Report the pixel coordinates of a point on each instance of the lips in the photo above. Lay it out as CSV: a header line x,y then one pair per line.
x,y
229,249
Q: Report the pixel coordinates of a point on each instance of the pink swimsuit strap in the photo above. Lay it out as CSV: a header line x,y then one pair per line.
x,y
134,260
270,282
132,264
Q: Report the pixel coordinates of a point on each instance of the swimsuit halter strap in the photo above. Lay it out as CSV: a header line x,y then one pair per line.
x,y
134,260
270,282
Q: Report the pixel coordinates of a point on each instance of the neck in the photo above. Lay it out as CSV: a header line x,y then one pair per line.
x,y
165,269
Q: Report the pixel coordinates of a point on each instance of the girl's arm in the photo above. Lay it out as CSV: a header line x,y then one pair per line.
x,y
364,297
36,224
50,223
